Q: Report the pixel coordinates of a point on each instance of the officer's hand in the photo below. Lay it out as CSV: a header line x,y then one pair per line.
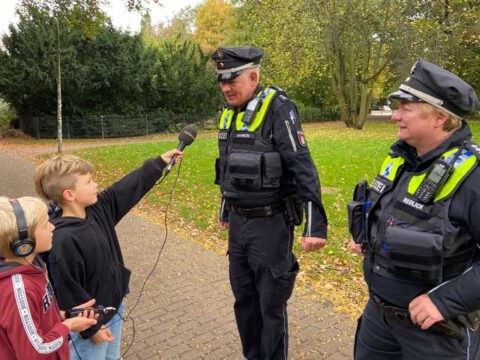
x,y
424,312
167,157
358,248
313,243
224,225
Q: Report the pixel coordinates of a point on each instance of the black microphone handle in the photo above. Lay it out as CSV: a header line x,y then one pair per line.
x,y
181,146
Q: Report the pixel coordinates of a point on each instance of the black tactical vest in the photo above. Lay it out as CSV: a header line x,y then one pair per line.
x,y
416,241
248,167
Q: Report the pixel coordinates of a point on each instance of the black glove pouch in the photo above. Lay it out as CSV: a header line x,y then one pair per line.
x,y
356,221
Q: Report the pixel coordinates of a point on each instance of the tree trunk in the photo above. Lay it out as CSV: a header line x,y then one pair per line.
x,y
338,85
365,101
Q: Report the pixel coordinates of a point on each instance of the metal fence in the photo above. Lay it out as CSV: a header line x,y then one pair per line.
x,y
108,126
112,126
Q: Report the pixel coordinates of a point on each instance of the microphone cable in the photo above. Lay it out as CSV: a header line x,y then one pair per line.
x,y
158,256
128,317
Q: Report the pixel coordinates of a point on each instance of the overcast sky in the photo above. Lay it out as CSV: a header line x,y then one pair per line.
x,y
118,12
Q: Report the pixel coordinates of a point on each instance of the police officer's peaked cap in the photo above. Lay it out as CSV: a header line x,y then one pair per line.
x,y
431,84
231,61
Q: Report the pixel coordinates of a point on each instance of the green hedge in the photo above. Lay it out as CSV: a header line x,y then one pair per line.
x,y
328,113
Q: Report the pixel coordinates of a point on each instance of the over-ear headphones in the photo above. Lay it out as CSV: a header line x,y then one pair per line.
x,y
24,245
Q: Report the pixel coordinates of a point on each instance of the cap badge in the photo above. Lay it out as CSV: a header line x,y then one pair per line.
x,y
220,54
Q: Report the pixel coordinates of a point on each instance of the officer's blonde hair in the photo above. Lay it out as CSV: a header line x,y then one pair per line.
x,y
58,174
453,123
34,210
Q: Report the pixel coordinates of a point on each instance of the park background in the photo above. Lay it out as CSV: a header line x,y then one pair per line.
x,y
337,59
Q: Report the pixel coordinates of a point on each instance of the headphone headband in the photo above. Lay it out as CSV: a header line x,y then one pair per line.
x,y
24,245
21,221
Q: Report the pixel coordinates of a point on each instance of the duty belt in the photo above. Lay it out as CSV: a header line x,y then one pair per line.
x,y
268,210
401,315
393,312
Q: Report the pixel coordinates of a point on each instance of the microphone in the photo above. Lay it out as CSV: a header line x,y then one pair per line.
x,y
186,137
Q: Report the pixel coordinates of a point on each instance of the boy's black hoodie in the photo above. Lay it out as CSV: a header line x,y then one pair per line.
x,y
86,261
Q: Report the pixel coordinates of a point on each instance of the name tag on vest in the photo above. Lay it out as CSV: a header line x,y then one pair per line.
x,y
244,135
378,186
412,203
222,135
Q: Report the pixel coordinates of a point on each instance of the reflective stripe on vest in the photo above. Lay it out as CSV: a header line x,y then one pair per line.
x,y
226,119
462,166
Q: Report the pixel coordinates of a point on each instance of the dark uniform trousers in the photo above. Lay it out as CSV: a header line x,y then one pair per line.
x,y
380,337
262,275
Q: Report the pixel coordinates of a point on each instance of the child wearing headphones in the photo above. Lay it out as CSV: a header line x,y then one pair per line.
x,y
31,325
86,261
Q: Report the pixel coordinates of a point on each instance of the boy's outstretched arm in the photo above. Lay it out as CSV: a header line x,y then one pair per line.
x,y
123,195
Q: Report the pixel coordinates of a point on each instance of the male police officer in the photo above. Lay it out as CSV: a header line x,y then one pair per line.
x,y
265,174
423,231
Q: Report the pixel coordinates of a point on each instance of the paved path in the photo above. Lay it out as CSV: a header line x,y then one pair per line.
x,y
186,311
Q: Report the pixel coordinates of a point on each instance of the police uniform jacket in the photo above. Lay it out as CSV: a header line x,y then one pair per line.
x,y
454,295
283,130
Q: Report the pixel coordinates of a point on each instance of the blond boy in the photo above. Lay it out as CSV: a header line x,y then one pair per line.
x,y
86,261
31,325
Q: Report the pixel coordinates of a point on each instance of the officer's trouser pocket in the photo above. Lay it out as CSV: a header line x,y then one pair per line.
x,y
283,280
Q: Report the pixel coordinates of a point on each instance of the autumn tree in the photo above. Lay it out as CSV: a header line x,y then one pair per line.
x,y
294,58
73,14
213,24
361,38
180,26
447,33
329,49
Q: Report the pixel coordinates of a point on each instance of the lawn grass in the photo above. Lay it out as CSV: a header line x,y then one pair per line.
x,y
343,156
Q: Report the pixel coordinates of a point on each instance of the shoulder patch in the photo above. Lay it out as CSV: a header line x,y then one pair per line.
x,y
301,138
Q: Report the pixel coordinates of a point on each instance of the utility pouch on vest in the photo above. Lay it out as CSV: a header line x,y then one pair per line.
x,y
356,221
294,209
254,170
272,170
413,255
218,170
244,170
357,211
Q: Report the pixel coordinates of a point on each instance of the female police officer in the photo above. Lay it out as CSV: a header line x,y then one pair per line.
x,y
422,221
